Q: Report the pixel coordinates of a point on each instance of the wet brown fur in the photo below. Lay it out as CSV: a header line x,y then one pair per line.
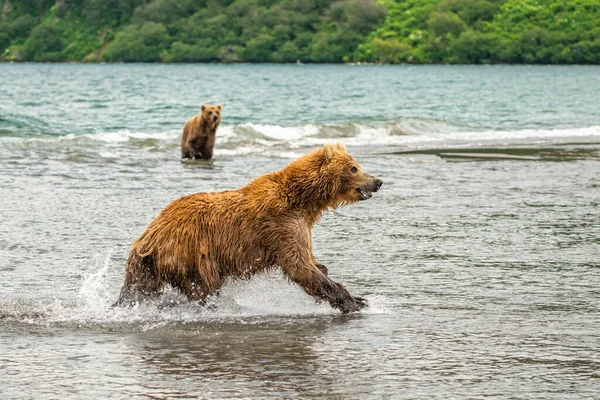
x,y
199,240
200,133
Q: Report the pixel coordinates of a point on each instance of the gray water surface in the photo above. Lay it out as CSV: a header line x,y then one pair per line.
x,y
479,256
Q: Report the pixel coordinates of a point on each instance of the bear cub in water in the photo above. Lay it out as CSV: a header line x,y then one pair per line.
x,y
199,240
199,133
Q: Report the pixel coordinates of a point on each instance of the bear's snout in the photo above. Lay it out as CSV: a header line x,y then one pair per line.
x,y
366,190
374,185
215,118
378,183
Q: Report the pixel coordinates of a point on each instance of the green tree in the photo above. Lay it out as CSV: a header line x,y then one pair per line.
x,y
185,53
4,37
470,11
358,16
166,11
475,47
138,43
445,23
21,27
287,53
586,52
44,44
260,48
390,51
111,12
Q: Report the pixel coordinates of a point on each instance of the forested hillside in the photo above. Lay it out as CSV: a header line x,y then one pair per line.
x,y
387,31
486,31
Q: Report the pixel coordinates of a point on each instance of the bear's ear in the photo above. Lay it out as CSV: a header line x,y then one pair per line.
x,y
328,151
219,107
202,107
341,146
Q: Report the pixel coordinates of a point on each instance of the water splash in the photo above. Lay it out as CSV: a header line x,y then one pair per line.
x,y
265,297
93,292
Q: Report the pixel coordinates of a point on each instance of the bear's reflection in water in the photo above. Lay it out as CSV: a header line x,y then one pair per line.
x,y
193,163
251,360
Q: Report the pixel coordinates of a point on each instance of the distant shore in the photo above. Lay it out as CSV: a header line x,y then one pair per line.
x,y
371,64
463,32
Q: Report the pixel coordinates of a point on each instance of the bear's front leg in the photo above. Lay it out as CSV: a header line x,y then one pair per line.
x,y
294,256
323,268
207,147
187,151
315,283
339,297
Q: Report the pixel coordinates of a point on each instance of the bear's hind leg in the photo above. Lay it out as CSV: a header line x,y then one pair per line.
x,y
196,291
141,281
201,282
195,288
192,290
133,293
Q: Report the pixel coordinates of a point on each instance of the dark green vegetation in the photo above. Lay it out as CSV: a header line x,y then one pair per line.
x,y
388,31
486,31
187,30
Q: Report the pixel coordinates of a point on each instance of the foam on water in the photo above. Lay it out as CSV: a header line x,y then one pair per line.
x,y
265,297
291,141
276,132
125,136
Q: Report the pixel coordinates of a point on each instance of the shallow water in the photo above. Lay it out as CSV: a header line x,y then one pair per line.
x,y
479,256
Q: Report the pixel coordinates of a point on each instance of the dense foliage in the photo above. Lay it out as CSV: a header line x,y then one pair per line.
x,y
486,31
388,31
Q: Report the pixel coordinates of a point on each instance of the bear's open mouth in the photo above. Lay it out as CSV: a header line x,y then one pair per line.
x,y
364,195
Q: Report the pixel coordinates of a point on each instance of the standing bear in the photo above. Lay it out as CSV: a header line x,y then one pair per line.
x,y
199,240
199,133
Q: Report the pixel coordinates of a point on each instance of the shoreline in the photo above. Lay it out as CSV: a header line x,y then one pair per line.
x,y
360,63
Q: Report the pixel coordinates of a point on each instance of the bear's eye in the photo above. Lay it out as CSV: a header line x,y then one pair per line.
x,y
354,170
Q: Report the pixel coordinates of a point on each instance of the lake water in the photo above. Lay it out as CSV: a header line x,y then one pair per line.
x,y
479,256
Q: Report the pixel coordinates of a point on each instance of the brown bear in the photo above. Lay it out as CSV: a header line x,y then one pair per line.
x,y
199,240
199,133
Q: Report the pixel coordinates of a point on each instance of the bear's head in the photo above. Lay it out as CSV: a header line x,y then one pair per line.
x,y
328,178
353,184
211,114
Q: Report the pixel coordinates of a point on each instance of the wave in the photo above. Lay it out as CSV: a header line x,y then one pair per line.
x,y
408,134
249,138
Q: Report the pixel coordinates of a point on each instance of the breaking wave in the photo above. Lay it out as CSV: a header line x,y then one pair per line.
x,y
249,138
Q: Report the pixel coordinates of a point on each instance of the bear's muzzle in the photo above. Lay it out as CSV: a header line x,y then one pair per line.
x,y
366,191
